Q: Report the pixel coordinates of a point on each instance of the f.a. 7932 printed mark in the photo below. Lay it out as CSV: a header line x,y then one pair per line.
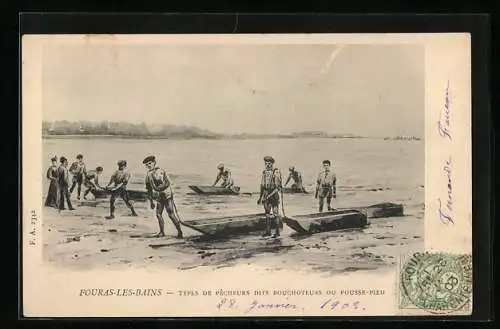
x,y
33,233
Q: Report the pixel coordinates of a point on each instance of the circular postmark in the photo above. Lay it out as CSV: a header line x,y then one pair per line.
x,y
439,283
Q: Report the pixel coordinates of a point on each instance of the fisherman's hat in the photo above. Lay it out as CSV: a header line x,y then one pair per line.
x,y
269,159
149,158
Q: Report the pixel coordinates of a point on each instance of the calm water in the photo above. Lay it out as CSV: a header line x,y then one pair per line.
x,y
360,165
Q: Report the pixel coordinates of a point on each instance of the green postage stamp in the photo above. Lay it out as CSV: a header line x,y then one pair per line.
x,y
439,283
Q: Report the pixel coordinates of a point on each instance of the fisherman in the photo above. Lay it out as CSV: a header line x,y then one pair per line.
x,y
297,179
63,184
158,182
224,174
51,200
270,187
326,186
78,171
119,180
91,181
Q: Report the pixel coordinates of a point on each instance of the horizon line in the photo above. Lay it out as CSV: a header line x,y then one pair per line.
x,y
220,134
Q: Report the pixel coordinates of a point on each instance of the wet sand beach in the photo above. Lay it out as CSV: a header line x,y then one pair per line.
x,y
368,171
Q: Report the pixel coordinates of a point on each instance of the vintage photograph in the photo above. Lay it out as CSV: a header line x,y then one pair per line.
x,y
250,175
309,157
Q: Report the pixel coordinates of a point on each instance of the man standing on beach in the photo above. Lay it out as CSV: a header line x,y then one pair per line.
x,y
297,179
158,182
119,180
91,181
63,184
326,186
78,171
270,187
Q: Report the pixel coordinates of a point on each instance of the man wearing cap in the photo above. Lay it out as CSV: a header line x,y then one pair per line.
x,y
326,186
224,174
158,182
297,179
119,180
78,171
91,181
270,187
63,184
51,200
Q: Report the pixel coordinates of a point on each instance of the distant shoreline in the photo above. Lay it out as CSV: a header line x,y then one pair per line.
x,y
123,130
68,136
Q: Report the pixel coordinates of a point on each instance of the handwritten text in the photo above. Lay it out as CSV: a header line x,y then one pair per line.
x,y
446,209
257,305
444,123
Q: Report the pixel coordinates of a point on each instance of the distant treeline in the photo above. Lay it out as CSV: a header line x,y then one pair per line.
x,y
83,128
157,131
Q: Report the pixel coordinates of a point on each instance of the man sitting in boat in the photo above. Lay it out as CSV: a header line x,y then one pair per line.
x,y
91,181
326,186
224,175
297,179
270,187
158,182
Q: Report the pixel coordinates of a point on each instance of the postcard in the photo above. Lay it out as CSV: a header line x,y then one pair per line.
x,y
247,175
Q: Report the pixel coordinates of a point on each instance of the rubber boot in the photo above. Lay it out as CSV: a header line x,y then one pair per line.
x,y
70,206
179,233
133,211
277,230
268,227
111,212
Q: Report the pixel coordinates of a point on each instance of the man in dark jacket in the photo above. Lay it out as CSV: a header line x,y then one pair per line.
x,y
63,184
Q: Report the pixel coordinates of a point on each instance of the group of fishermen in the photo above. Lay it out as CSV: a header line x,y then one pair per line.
x,y
159,188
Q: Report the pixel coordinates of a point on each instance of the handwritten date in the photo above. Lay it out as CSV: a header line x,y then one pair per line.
x,y
327,305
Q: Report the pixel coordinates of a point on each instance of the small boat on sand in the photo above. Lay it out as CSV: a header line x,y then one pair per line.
x,y
133,194
309,223
345,218
294,190
218,190
382,210
325,222
230,225
214,190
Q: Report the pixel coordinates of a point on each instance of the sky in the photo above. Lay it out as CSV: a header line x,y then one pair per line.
x,y
368,90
